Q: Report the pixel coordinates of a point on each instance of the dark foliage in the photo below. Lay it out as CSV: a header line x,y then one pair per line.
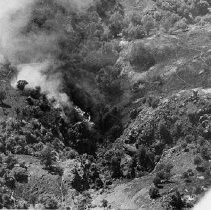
x,y
140,56
154,193
47,156
20,174
176,201
21,84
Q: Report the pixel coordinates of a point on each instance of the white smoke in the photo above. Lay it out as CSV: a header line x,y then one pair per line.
x,y
34,54
35,75
14,15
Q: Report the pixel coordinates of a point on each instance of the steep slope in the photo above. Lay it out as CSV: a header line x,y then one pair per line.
x,y
192,140
136,134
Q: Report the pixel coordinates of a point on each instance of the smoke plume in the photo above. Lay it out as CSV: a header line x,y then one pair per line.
x,y
32,47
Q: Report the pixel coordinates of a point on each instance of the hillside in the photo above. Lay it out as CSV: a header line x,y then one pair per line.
x,y
105,104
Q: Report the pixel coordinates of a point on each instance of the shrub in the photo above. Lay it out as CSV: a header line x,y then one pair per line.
x,y
135,19
7,201
71,154
3,96
77,181
198,160
154,193
159,147
22,204
58,144
193,117
134,32
115,167
145,158
21,84
186,176
20,174
153,101
140,56
184,145
163,175
157,181
164,171
176,201
49,202
201,141
10,144
189,138
205,154
116,23
165,133
181,24
202,7
168,167
202,168
169,21
109,82
10,161
114,132
9,181
198,190
47,156
190,172
148,23
104,203
133,114
35,93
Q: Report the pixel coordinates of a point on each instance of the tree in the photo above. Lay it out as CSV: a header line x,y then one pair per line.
x,y
115,167
21,84
165,133
47,156
154,192
3,96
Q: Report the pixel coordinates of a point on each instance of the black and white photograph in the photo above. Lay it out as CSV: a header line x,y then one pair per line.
x,y
105,104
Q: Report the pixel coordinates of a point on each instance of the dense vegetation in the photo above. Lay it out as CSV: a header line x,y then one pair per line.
x,y
103,132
